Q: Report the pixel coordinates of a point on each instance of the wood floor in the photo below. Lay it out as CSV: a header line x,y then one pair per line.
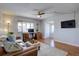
x,y
71,50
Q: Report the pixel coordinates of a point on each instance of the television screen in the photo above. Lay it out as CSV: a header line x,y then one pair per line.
x,y
68,24
30,30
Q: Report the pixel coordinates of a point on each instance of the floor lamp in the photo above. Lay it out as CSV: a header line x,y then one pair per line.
x,y
8,24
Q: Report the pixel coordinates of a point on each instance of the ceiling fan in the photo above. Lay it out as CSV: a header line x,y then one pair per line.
x,y
40,13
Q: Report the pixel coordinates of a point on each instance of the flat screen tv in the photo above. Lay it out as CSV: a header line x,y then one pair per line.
x,y
68,24
30,30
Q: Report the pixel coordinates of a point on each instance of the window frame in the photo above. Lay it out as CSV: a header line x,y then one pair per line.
x,y
22,28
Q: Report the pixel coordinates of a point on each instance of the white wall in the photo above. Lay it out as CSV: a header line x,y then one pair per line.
x,y
4,25
66,35
42,26
1,25
45,29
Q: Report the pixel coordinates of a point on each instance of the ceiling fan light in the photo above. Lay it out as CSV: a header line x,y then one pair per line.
x,y
38,16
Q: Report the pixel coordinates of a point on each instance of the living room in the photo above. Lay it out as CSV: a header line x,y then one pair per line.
x,y
45,18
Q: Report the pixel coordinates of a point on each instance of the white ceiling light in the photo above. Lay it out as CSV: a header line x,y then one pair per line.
x,y
38,16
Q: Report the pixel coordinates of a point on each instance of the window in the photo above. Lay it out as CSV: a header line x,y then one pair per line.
x,y
52,28
31,25
19,27
24,26
28,25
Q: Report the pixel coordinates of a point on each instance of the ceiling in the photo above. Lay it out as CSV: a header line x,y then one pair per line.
x,y
31,9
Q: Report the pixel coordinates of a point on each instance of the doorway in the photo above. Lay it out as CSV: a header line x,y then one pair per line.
x,y
51,29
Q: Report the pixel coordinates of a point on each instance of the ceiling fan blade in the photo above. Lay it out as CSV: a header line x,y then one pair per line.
x,y
44,11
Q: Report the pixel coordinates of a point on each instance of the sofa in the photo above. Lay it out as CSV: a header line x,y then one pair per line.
x,y
30,51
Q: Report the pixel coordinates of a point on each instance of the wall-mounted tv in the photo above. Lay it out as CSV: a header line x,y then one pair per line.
x,y
30,30
68,24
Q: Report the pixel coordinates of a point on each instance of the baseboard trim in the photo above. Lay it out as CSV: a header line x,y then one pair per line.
x,y
68,43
